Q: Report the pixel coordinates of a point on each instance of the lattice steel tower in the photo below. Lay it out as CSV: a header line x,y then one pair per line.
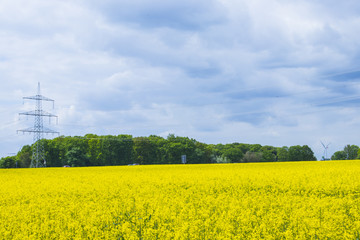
x,y
38,155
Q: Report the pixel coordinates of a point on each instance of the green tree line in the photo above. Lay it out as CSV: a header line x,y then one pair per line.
x,y
94,150
348,153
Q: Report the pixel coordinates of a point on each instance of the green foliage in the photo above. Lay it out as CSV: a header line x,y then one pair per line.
x,y
8,162
94,150
301,153
76,157
177,146
268,154
350,152
204,153
283,154
234,155
339,155
307,154
24,156
145,151
117,150
255,148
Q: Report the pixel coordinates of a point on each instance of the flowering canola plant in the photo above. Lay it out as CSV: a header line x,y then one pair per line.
x,y
301,200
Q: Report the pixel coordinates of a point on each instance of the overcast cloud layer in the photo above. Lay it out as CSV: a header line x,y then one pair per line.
x,y
271,72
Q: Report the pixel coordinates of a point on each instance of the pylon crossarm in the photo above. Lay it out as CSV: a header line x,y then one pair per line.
x,y
38,113
39,97
33,130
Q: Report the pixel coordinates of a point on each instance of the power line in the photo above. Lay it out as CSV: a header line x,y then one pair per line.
x,y
9,124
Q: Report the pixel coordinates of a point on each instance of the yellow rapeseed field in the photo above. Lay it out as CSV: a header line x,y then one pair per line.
x,y
303,200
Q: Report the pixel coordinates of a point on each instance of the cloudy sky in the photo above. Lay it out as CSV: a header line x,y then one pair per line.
x,y
272,72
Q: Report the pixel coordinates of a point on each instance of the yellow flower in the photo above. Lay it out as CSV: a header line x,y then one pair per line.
x,y
303,200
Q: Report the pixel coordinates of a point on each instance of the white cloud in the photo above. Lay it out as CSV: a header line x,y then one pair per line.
x,y
270,72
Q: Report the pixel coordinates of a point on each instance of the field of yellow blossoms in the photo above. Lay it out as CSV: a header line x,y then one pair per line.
x,y
303,200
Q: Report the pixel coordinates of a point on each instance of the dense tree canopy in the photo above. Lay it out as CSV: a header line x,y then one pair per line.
x,y
349,152
94,150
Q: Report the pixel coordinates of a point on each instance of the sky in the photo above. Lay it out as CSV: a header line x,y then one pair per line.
x,y
272,72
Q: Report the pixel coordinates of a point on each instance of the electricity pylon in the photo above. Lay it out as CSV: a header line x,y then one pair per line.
x,y
38,155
